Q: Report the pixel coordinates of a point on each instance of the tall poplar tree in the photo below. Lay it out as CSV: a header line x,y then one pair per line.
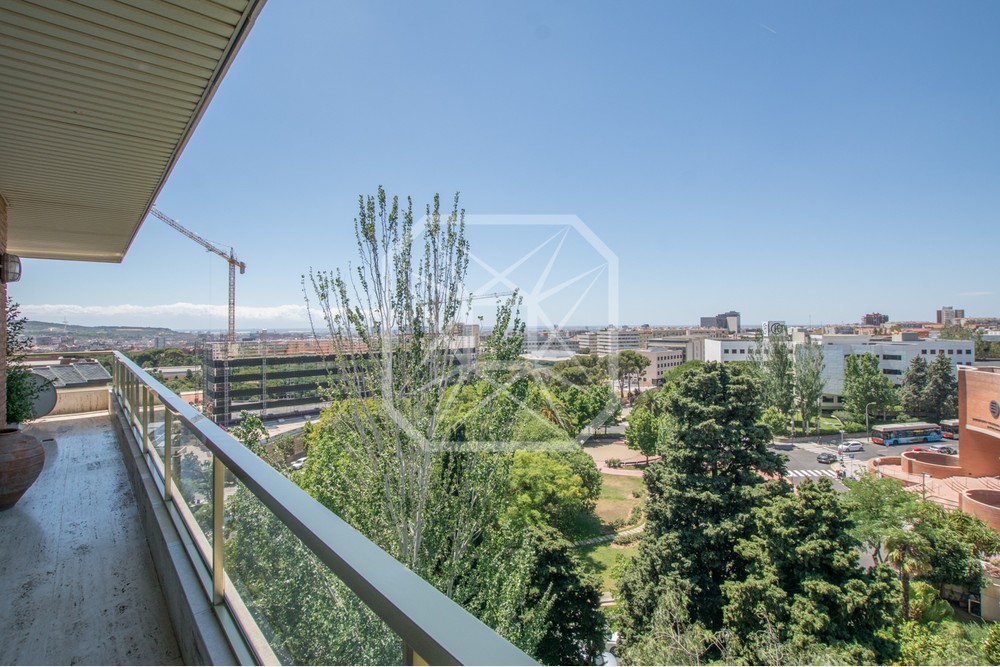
x,y
779,383
392,458
809,381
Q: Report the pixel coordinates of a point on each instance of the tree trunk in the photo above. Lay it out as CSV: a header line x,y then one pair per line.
x,y
906,597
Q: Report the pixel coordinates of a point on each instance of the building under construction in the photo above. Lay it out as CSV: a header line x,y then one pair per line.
x,y
274,379
267,378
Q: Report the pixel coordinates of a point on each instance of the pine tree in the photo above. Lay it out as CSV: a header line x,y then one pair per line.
x,y
701,495
804,582
941,394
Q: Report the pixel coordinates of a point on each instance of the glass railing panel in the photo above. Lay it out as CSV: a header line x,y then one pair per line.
x,y
157,433
304,614
191,470
288,603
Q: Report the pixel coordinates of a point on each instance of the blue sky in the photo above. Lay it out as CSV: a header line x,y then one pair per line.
x,y
806,162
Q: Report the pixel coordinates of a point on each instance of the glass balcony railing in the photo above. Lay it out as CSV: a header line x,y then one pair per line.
x,y
299,583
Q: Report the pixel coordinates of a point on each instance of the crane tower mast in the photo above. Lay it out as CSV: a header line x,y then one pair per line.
x,y
229,257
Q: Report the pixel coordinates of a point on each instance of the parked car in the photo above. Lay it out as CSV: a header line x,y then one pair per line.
x,y
944,449
851,446
299,464
917,449
827,457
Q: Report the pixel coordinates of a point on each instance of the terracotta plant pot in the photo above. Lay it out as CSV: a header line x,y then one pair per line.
x,y
21,460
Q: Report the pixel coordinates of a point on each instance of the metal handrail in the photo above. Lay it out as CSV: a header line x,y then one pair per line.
x,y
430,624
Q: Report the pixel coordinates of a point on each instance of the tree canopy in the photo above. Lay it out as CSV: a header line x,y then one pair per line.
x,y
700,496
804,584
864,384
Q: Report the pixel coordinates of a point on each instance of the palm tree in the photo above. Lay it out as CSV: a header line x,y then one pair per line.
x,y
909,552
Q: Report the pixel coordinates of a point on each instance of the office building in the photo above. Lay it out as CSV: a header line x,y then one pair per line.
x,y
894,355
874,319
950,315
610,341
729,321
661,360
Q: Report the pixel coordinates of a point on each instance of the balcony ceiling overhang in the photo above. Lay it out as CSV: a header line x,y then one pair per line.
x,y
97,100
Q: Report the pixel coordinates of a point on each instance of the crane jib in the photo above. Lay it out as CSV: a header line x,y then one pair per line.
x,y
229,257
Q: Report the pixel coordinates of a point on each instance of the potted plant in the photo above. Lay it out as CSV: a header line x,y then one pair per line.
x,y
21,455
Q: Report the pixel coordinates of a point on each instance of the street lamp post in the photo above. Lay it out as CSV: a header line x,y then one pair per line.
x,y
867,427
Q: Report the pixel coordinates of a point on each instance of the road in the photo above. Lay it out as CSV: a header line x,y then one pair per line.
x,y
802,453
802,464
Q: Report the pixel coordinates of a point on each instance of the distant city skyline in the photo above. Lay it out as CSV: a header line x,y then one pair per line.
x,y
85,317
804,162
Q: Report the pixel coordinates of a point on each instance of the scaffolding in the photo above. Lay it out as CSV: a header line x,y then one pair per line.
x,y
267,378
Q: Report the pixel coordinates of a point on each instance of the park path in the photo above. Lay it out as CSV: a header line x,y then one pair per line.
x,y
607,538
602,450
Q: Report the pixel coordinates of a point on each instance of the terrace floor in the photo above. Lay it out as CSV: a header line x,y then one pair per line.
x,y
942,491
77,584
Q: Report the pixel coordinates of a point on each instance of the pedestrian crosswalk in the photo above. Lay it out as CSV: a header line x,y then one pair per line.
x,y
812,473
815,447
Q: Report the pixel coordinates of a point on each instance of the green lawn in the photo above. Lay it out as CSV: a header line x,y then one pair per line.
x,y
616,502
616,499
603,559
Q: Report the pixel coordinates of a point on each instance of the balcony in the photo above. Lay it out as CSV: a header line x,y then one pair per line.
x,y
242,566
76,576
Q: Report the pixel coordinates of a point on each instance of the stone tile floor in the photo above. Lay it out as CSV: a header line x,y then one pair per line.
x,y
77,584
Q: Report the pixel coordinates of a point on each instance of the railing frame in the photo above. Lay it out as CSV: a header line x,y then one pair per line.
x,y
434,629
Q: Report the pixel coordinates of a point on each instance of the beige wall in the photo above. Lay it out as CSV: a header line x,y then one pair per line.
x,y
80,399
990,600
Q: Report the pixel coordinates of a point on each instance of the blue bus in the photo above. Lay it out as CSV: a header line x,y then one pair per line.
x,y
905,434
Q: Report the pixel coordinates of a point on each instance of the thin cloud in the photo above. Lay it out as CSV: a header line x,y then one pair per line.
x,y
768,28
295,313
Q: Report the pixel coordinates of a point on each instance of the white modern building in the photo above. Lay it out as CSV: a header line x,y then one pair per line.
x,y
545,342
726,350
611,341
692,344
661,360
894,355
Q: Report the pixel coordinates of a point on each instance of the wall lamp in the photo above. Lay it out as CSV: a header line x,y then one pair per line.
x,y
10,268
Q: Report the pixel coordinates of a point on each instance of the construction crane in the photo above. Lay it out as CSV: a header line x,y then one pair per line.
x,y
493,295
229,257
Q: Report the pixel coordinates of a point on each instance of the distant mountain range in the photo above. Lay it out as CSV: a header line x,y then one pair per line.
x,y
36,328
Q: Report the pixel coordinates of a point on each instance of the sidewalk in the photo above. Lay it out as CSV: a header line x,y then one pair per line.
x,y
611,536
604,450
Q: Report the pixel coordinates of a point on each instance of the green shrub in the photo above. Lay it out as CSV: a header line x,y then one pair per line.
x,y
622,540
991,645
635,515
